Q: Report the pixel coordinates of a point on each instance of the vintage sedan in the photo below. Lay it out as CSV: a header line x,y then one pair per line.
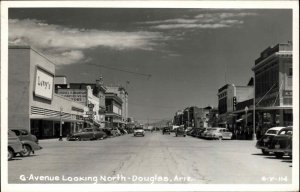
x,y
264,142
139,131
14,145
218,133
166,130
180,131
282,143
88,134
204,131
30,142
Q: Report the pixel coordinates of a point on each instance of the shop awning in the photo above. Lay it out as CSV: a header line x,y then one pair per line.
x,y
250,110
38,117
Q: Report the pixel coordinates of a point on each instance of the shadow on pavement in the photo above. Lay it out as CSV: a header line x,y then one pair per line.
x,y
260,154
14,159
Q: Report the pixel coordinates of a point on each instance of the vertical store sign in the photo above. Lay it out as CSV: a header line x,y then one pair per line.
x,y
43,84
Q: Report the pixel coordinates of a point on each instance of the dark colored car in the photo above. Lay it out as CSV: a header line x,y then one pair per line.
x,y
190,132
180,131
265,141
196,132
88,134
282,143
14,145
29,142
166,130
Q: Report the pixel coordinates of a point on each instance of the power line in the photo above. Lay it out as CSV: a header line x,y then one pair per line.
x,y
122,70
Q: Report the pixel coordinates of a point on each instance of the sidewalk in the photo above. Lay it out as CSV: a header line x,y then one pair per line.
x,y
52,140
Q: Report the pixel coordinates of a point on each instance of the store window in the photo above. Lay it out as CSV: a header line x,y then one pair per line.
x,y
290,73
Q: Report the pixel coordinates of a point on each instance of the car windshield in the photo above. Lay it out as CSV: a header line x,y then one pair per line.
x,y
272,132
139,128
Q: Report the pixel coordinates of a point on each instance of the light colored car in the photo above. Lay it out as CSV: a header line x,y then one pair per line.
x,y
30,142
115,131
219,133
139,131
14,145
265,141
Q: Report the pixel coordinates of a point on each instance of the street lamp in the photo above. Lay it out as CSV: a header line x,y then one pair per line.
x,y
60,125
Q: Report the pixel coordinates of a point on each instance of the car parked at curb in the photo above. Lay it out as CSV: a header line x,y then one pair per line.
x,y
265,141
14,145
29,142
180,131
204,131
282,143
115,131
219,133
88,134
139,131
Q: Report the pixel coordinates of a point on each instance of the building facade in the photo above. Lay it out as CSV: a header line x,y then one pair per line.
x,y
123,95
113,110
32,102
91,95
273,72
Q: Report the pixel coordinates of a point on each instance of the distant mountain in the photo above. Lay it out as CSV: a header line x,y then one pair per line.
x,y
161,123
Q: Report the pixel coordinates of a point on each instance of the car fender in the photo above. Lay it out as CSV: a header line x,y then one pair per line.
x,y
32,144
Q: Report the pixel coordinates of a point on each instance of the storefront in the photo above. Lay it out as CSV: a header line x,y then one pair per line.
x,y
32,103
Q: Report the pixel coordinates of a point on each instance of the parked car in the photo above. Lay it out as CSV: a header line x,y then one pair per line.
x,y
196,132
139,131
219,133
282,143
264,142
190,131
14,145
29,142
88,134
204,132
166,130
115,131
180,131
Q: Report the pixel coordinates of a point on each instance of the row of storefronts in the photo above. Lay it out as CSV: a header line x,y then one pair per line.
x,y
49,107
268,95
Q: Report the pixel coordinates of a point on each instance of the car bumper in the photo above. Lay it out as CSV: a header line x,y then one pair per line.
x,y
138,133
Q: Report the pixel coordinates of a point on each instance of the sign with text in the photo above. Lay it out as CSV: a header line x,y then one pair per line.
x,y
43,84
76,95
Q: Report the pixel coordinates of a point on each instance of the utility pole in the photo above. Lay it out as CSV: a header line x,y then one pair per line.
x,y
60,125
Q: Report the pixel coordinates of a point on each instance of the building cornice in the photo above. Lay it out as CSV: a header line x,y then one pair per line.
x,y
263,62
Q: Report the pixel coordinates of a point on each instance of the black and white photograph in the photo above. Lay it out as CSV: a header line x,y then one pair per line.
x,y
149,96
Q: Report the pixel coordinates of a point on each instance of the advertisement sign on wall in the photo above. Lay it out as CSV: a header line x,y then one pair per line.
x,y
43,84
76,95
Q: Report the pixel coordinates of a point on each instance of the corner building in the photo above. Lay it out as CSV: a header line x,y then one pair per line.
x,y
273,86
32,103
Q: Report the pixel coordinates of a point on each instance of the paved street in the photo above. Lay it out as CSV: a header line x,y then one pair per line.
x,y
154,158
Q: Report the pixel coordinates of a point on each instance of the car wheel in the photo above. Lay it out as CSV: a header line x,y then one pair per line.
x,y
26,151
10,154
264,152
184,135
278,155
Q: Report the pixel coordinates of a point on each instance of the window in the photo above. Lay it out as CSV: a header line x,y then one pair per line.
x,y
290,72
